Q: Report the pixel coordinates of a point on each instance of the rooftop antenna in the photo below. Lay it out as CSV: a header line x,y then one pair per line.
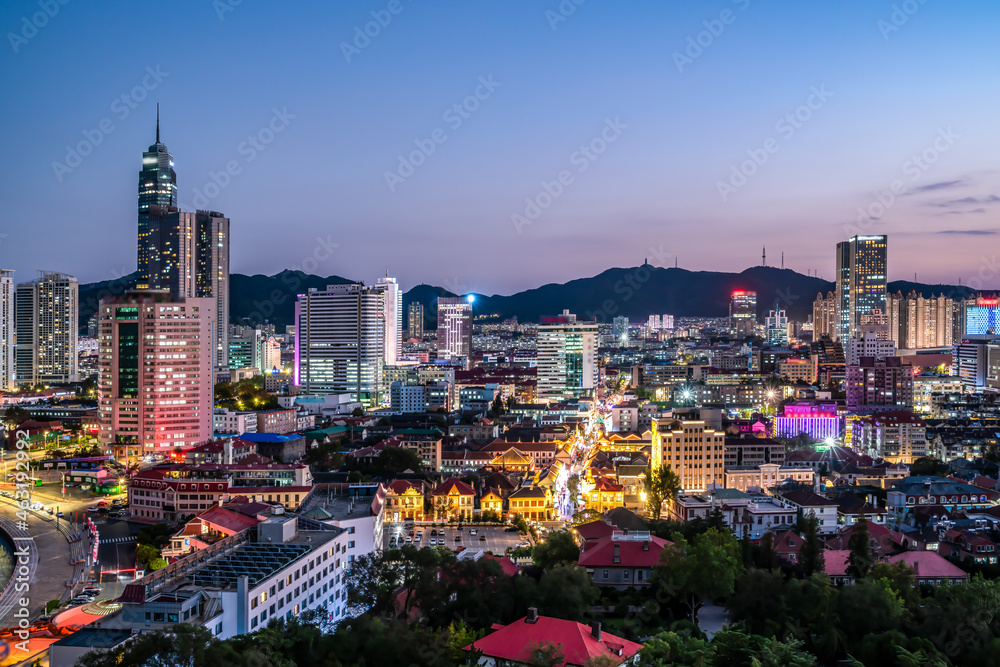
x,y
157,122
782,259
763,256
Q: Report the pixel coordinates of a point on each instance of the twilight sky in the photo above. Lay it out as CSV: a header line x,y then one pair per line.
x,y
581,140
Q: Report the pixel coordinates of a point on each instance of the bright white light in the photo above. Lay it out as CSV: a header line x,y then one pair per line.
x,y
471,298
829,442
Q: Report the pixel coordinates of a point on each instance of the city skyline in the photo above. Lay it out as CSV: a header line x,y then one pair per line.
x,y
827,142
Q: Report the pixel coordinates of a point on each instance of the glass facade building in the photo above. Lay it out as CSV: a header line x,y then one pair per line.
x,y
157,187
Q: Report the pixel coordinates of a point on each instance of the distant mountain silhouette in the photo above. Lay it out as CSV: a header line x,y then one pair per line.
x,y
635,292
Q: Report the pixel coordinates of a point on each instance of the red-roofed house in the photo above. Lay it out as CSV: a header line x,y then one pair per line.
x,y
579,643
787,545
930,568
592,531
453,499
622,559
207,528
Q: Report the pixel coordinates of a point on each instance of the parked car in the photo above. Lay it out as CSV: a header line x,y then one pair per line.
x,y
458,538
473,531
102,503
60,514
434,531
92,509
433,541
482,538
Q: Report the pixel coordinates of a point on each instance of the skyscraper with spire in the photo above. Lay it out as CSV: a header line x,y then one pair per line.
x,y
157,187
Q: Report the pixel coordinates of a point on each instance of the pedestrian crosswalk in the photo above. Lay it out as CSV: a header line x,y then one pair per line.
x,y
118,540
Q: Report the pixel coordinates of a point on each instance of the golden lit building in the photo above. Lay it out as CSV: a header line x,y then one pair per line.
x,y
454,499
692,449
605,495
404,500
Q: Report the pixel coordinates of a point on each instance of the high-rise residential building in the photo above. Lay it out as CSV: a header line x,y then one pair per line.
x,y
667,322
655,323
567,358
620,329
776,326
157,187
454,328
861,281
46,314
415,321
270,354
7,298
392,308
155,383
340,342
743,313
878,382
867,344
189,256
916,322
970,360
825,316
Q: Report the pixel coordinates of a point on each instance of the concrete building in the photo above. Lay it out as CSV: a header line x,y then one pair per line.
x,y
46,317
916,322
743,313
7,299
454,328
189,256
340,342
415,321
234,422
899,437
155,382
877,382
825,316
567,358
867,344
692,449
392,312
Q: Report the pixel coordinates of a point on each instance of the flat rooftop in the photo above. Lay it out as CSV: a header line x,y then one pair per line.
x,y
95,638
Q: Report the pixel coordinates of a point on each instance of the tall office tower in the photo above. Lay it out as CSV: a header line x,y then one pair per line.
x,y
620,328
667,321
655,323
861,281
567,358
916,322
392,308
155,388
245,347
46,314
454,328
743,313
825,316
415,322
189,256
340,342
776,327
7,298
270,354
157,187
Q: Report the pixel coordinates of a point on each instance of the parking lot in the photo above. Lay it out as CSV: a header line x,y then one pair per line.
x,y
496,541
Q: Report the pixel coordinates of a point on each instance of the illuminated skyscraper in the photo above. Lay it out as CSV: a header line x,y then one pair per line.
x,y
743,313
392,310
6,329
155,387
776,327
340,341
861,281
157,187
416,321
454,332
189,257
46,313
567,358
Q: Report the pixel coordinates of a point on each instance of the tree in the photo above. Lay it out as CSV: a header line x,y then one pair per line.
x,y
585,516
675,648
861,557
735,648
560,547
185,644
15,416
373,580
545,654
707,566
758,601
811,553
661,484
394,460
358,412
767,557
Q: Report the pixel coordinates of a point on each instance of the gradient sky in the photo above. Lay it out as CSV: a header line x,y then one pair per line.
x,y
653,193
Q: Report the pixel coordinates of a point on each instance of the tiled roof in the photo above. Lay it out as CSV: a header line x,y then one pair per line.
x,y
631,552
458,485
514,641
928,565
